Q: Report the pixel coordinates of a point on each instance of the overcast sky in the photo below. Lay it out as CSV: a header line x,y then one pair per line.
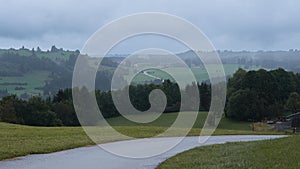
x,y
229,24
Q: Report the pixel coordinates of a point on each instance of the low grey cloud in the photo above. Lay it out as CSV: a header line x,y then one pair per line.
x,y
231,24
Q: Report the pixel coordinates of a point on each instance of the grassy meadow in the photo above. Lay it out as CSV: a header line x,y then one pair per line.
x,y
167,119
19,140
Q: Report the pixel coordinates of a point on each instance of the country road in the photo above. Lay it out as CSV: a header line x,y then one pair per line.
x,y
152,76
97,158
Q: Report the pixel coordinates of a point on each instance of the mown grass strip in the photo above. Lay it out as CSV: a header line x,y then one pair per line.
x,y
269,154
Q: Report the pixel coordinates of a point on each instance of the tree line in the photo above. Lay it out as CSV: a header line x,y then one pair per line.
x,y
252,95
59,110
261,94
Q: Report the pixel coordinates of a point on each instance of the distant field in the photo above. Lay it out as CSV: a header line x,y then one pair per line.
x,y
60,55
18,140
33,80
200,73
275,154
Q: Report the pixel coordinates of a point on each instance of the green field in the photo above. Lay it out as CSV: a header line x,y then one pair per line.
x,y
200,73
18,140
273,154
21,71
167,119
34,80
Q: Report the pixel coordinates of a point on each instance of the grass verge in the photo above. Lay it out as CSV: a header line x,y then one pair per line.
x,y
275,154
17,140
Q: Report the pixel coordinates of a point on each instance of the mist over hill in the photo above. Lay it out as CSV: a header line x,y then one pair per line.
x,y
288,60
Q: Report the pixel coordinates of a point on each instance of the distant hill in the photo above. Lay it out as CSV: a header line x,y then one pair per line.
x,y
54,54
288,60
25,72
28,72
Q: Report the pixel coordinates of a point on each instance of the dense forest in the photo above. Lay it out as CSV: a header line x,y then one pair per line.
x,y
251,96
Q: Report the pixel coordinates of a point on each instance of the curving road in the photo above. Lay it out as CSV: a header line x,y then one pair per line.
x,y
96,158
152,76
